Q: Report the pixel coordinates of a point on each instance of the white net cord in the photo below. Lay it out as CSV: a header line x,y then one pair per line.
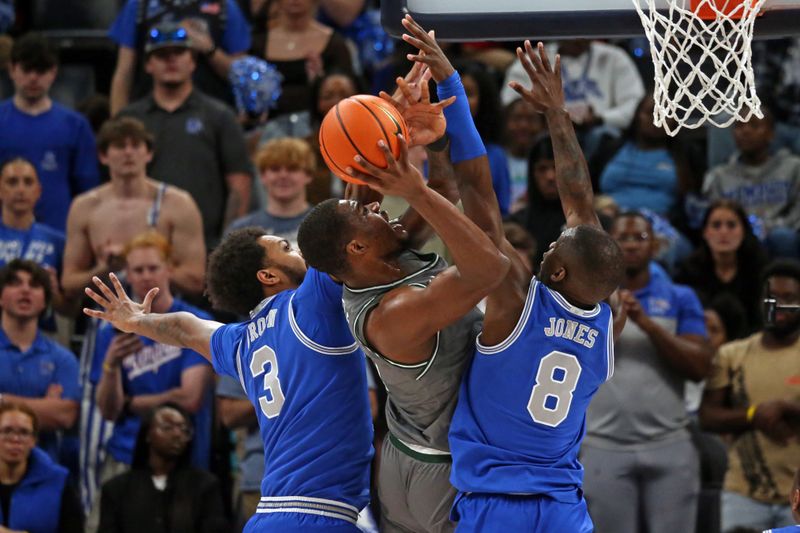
x,y
703,68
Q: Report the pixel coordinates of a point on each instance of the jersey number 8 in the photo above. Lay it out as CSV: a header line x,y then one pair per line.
x,y
555,382
272,402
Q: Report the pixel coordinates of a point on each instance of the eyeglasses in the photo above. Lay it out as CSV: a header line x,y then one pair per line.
x,y
184,429
20,433
719,224
157,36
633,237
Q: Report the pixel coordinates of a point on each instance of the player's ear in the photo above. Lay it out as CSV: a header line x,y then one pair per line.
x,y
355,247
268,277
558,275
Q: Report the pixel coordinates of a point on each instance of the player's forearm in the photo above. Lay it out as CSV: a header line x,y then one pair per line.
x,y
691,359
52,413
110,395
476,256
177,329
474,179
572,173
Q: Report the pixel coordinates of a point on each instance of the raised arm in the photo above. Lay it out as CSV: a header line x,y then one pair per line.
x,y
547,96
176,329
407,319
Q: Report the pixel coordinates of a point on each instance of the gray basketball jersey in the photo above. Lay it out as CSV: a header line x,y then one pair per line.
x,y
421,396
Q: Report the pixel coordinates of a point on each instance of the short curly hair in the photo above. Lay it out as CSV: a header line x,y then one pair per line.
x,y
232,267
323,236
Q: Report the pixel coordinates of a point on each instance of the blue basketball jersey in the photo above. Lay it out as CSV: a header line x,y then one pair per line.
x,y
302,370
521,410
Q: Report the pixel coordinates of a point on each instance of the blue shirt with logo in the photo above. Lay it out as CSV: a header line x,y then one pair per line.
x,y
153,369
60,144
39,243
31,373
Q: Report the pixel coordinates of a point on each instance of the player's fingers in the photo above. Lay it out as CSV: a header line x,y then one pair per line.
x,y
406,90
426,74
403,145
412,75
117,286
103,288
534,57
386,96
543,56
419,44
526,63
367,179
96,297
424,92
522,91
446,103
412,26
557,70
94,313
369,168
148,299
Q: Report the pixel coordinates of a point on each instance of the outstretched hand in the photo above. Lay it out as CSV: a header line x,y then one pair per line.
x,y
117,306
546,92
429,51
426,122
399,178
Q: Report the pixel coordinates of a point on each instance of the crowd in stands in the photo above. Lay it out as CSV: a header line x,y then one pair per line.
x,y
148,173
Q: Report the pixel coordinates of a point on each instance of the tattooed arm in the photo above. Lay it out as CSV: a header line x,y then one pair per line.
x,y
547,96
177,329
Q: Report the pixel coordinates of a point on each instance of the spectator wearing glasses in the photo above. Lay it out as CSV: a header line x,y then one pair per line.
x,y
57,140
726,260
34,494
199,145
218,31
640,463
34,370
163,492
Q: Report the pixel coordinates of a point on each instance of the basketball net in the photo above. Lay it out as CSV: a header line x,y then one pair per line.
x,y
702,56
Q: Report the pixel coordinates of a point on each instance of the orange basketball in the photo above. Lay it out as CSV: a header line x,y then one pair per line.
x,y
353,127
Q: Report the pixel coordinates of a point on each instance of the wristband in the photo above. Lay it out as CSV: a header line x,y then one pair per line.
x,y
751,412
465,141
109,368
438,145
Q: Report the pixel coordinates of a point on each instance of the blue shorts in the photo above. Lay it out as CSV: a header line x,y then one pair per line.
x,y
297,523
501,513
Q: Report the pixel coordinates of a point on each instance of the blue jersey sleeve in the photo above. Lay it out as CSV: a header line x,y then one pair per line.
x,y
225,343
236,38
319,291
123,31
318,310
690,312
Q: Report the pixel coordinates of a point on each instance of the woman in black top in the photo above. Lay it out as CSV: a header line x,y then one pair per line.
x,y
300,47
729,260
163,493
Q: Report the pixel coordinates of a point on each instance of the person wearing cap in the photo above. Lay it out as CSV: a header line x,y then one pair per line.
x,y
218,30
58,141
199,145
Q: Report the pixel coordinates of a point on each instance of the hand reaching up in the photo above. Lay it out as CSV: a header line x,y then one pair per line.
x,y
546,92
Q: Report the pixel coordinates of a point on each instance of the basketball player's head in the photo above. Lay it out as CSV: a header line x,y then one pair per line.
x,y
346,239
584,264
248,266
634,234
782,282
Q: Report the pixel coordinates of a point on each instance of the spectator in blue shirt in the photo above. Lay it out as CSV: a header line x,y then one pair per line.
x,y
134,374
34,494
34,370
20,234
57,140
217,30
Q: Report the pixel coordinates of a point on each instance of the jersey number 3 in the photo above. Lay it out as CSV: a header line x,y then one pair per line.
x,y
555,382
271,402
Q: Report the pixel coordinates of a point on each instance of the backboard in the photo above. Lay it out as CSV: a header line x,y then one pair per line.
x,y
514,20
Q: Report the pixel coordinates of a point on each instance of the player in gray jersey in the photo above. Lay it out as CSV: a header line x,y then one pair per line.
x,y
415,317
